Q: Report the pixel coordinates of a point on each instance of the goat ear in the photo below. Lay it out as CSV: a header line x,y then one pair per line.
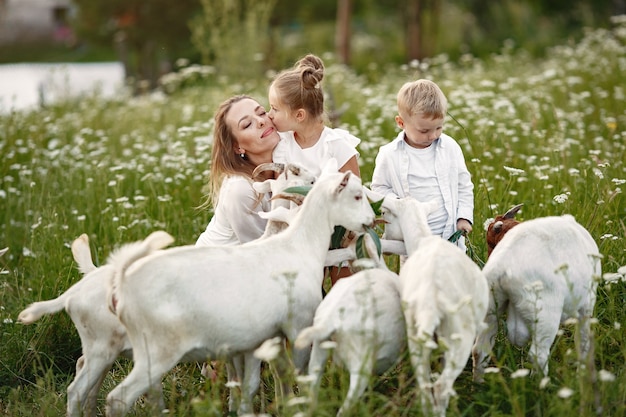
x,y
512,211
343,183
372,195
262,187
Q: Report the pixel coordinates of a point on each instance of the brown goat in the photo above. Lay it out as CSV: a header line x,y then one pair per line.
x,y
499,226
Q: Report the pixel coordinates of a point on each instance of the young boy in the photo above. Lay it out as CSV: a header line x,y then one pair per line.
x,y
426,164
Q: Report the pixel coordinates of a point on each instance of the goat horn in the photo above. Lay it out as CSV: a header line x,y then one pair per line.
x,y
512,211
294,169
296,198
267,166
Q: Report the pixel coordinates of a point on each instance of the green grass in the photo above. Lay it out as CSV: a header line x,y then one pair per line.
x,y
118,170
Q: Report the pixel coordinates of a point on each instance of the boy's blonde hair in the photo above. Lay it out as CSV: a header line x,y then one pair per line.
x,y
422,97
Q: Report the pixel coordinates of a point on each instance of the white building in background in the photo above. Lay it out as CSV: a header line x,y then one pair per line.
x,y
32,20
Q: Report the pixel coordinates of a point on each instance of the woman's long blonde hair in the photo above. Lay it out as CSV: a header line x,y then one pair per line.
x,y
224,159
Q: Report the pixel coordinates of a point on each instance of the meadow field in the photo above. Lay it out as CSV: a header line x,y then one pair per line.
x,y
548,133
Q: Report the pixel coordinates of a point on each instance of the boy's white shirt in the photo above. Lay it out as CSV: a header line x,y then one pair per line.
x,y
333,143
391,176
236,218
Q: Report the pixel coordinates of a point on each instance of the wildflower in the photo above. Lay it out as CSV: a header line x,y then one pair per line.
x,y
297,401
269,350
431,344
232,384
492,370
36,225
544,382
565,392
560,198
487,223
598,173
618,181
7,321
305,379
514,171
329,344
606,376
574,172
520,373
611,277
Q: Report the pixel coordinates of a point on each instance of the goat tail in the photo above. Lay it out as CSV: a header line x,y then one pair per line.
x,y
35,311
82,254
124,257
312,334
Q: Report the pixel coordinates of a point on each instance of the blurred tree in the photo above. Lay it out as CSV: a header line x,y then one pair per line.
x,y
421,18
343,32
532,24
146,34
233,35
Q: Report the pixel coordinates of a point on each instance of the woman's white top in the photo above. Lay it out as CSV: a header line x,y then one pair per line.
x,y
236,218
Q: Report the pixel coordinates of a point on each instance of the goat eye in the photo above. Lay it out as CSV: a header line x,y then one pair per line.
x,y
358,197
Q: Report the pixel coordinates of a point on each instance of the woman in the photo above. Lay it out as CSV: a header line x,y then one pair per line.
x,y
244,137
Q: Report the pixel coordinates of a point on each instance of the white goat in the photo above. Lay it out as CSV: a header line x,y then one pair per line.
x,y
542,272
362,314
281,213
444,296
289,175
190,303
102,336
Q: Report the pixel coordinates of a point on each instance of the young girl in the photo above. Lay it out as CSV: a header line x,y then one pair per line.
x,y
297,110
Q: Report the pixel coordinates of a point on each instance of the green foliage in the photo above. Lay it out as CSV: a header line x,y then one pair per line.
x,y
548,133
232,35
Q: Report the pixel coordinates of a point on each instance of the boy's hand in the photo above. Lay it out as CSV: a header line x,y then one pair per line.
x,y
464,225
